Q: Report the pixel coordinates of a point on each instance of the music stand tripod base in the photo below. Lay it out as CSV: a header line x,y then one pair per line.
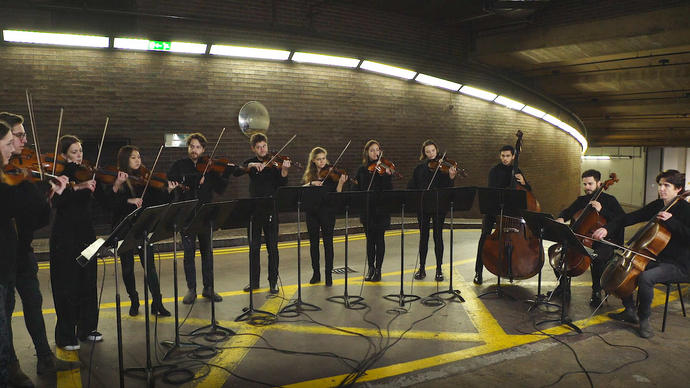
x,y
454,294
498,292
295,308
401,298
352,302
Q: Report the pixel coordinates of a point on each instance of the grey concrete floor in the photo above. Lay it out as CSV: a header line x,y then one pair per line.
x,y
488,341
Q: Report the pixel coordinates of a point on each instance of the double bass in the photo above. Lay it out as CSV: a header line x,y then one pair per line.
x,y
620,275
512,251
585,222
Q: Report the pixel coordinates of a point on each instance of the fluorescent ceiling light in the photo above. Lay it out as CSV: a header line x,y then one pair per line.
x,y
388,70
595,157
158,45
533,111
321,59
567,128
438,82
56,39
507,102
474,92
249,52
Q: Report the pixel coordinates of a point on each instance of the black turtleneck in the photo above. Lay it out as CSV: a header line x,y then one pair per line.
x,y
501,176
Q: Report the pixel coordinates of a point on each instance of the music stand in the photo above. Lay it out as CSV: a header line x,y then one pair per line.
x,y
137,238
535,221
289,199
344,202
561,233
497,202
209,217
242,216
447,199
176,216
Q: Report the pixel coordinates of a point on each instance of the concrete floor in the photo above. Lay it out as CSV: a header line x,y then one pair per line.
x,y
482,342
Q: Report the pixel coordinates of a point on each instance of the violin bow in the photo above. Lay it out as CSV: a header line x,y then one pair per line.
x,y
210,158
337,160
436,170
152,170
615,245
100,147
378,162
281,150
30,105
57,140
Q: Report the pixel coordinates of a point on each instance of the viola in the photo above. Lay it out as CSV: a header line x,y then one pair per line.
x,y
585,222
380,168
217,165
334,174
445,166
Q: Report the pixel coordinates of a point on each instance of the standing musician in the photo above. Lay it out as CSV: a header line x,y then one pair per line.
x,y
375,220
608,207
74,287
126,197
421,177
26,282
673,263
501,177
321,215
186,171
263,182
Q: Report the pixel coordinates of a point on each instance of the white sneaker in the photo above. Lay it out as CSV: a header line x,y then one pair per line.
x,y
94,337
72,347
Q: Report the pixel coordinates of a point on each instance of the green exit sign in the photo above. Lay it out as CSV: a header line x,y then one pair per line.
x,y
159,45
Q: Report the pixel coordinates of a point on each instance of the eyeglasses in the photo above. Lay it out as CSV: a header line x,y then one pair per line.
x,y
20,135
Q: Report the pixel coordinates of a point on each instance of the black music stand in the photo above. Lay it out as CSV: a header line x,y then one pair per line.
x,y
535,221
497,202
289,199
175,217
137,238
394,200
345,202
561,233
448,199
210,217
242,216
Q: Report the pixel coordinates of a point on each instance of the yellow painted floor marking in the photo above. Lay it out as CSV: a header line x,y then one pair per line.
x,y
68,378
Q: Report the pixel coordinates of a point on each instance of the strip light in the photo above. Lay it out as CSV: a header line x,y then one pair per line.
x,y
388,70
328,60
508,103
533,111
572,131
595,157
438,82
474,92
55,39
249,52
157,45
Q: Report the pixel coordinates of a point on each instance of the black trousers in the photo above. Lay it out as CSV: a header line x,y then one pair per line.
x,y
29,290
655,272
75,295
127,262
269,225
487,226
376,245
437,222
189,246
324,222
4,336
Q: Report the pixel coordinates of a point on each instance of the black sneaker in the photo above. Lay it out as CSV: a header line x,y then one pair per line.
x,y
206,293
190,297
645,328
625,316
420,274
94,336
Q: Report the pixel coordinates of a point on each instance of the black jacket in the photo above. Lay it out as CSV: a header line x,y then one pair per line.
x,y
380,217
610,210
185,172
421,176
121,208
264,183
36,217
315,201
501,176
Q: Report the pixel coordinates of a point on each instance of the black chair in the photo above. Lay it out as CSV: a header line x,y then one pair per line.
x,y
680,296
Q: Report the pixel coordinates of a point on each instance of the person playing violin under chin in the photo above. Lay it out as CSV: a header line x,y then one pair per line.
x,y
421,178
320,213
673,262
185,171
126,195
263,182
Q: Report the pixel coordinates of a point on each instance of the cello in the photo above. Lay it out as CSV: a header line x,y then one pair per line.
x,y
585,222
512,251
620,275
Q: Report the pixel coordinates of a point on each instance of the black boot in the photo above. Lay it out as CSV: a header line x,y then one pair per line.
x,y
329,279
370,274
439,274
17,378
478,278
134,306
627,315
595,300
420,274
157,307
49,364
646,328
377,275
315,278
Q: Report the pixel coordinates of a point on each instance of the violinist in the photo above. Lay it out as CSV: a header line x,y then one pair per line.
x,y
126,197
23,201
421,179
501,177
74,287
320,214
374,219
263,182
186,171
26,282
673,262
608,207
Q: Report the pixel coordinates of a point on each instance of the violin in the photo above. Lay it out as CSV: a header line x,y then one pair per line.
x,y
14,175
334,174
585,222
218,165
380,168
445,166
277,160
